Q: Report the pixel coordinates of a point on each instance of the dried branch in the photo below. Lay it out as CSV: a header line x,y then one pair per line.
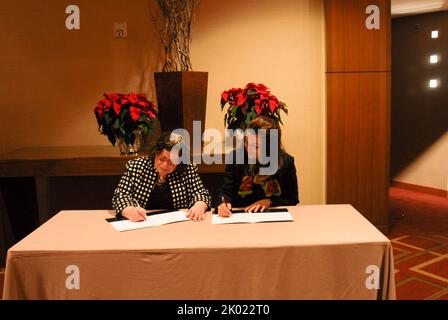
x,y
174,28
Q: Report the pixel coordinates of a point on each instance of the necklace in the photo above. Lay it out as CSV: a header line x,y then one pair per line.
x,y
160,180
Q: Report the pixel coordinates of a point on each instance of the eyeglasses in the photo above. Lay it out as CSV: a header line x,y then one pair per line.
x,y
163,159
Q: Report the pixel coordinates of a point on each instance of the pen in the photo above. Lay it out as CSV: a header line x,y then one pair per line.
x,y
223,200
146,219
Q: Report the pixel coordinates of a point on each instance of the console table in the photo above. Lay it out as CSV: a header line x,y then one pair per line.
x,y
44,162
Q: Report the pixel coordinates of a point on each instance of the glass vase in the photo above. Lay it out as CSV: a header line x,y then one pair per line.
x,y
128,149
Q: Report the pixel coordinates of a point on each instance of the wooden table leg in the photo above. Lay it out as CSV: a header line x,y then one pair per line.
x,y
42,198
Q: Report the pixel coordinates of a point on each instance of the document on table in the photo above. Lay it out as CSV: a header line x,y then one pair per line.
x,y
273,215
153,220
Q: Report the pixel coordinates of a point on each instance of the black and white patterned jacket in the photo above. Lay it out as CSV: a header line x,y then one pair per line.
x,y
139,178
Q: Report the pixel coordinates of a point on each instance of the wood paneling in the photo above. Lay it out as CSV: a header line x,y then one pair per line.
x,y
351,47
358,108
358,142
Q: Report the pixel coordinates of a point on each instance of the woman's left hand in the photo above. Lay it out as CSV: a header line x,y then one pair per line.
x,y
197,211
259,206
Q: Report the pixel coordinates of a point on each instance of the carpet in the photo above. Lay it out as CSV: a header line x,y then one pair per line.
x,y
419,236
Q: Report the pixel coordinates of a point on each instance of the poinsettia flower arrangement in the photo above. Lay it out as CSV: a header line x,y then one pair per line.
x,y
121,116
246,104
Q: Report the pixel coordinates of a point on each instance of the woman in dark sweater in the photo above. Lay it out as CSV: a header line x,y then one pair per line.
x,y
245,186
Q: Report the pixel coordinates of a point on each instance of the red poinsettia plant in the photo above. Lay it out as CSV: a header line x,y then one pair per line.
x,y
246,104
122,116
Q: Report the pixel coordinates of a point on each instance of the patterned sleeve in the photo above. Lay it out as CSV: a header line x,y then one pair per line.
x,y
122,197
196,188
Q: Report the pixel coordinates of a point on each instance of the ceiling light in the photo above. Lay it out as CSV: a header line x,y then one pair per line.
x,y
434,83
433,59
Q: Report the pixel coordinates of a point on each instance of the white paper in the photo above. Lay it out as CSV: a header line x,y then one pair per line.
x,y
253,217
152,221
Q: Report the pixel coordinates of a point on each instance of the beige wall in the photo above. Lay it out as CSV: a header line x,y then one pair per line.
x,y
280,44
51,77
430,169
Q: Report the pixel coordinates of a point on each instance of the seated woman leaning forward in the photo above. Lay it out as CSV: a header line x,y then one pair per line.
x,y
155,182
246,186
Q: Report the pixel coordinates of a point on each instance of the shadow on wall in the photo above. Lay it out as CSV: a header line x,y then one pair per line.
x,y
419,113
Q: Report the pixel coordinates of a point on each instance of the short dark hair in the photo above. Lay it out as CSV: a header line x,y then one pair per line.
x,y
166,143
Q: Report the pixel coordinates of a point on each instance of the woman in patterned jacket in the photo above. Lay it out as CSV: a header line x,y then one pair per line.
x,y
155,182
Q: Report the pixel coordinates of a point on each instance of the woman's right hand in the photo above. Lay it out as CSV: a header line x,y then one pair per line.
x,y
225,210
134,214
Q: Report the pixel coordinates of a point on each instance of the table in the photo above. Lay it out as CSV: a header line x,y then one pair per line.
x,y
323,254
44,162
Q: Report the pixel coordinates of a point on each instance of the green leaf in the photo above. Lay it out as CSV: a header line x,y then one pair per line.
x,y
248,118
116,125
112,138
234,111
254,115
107,118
